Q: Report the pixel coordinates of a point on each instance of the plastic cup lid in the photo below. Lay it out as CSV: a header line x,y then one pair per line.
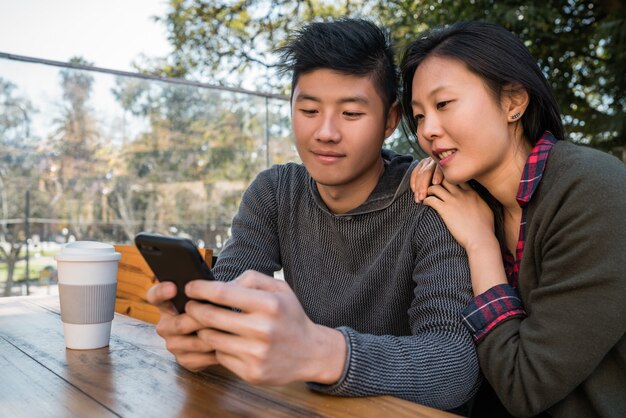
x,y
87,251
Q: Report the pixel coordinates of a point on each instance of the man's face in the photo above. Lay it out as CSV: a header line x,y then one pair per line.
x,y
339,124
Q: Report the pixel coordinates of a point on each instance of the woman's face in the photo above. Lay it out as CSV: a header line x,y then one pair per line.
x,y
459,122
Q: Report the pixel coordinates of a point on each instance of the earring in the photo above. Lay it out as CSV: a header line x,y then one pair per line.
x,y
515,116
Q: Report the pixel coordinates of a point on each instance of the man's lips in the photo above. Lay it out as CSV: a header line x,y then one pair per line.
x,y
327,156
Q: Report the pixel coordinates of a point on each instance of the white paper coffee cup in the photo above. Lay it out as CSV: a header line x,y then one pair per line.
x,y
87,272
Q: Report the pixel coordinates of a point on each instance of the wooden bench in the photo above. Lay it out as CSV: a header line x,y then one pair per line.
x,y
134,278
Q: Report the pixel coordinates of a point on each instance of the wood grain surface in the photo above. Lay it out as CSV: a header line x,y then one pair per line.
x,y
135,376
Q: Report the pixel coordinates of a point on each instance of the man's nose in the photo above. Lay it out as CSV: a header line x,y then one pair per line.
x,y
328,129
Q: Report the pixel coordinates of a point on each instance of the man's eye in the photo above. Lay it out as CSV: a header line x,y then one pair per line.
x,y
308,111
442,104
353,115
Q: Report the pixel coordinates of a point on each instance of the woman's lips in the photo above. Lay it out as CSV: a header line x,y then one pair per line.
x,y
444,155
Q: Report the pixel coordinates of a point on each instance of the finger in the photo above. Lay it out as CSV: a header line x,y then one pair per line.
x,y
252,297
424,178
160,295
205,335
225,342
211,316
254,280
453,189
188,344
177,325
420,165
239,367
439,192
435,203
196,362
438,175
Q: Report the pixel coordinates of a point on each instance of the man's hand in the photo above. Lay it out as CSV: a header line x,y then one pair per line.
x,y
425,174
179,330
270,340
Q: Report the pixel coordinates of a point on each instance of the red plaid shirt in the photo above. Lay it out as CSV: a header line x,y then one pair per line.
x,y
502,302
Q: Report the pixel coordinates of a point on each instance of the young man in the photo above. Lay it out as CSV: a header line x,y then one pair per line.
x,y
374,284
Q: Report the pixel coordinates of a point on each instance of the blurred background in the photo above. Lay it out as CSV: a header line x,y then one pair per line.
x,y
124,116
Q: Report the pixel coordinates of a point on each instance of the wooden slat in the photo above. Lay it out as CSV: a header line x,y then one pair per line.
x,y
132,285
134,279
140,310
133,260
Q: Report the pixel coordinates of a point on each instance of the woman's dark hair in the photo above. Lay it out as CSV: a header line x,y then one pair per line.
x,y
499,58
348,46
502,61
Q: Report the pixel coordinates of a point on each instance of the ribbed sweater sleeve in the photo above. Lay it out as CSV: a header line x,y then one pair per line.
x,y
436,365
392,279
254,241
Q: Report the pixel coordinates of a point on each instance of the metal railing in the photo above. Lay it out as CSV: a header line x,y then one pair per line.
x,y
103,154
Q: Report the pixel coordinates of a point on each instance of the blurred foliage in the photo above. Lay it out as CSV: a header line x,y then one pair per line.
x,y
579,45
201,149
76,163
19,164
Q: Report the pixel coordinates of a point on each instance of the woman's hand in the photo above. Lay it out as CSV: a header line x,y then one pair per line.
x,y
470,220
427,172
467,215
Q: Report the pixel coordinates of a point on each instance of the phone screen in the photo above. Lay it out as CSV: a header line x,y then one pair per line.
x,y
173,259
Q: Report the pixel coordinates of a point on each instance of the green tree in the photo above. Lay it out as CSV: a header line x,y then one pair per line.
x,y
201,148
18,173
77,166
579,44
221,41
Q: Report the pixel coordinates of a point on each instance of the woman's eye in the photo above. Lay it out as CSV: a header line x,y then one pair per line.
x,y
442,104
308,111
353,115
418,118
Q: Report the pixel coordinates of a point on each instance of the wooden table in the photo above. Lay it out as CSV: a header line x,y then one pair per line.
x,y
137,376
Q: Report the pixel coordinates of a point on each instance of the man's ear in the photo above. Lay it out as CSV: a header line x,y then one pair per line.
x,y
516,101
393,118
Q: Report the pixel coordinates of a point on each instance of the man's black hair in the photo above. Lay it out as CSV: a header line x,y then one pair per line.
x,y
348,46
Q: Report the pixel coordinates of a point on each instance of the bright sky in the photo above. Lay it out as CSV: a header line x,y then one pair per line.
x,y
109,33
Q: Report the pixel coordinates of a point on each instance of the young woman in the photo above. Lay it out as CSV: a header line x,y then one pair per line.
x,y
543,223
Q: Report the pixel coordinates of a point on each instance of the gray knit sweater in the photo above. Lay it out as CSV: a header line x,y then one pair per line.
x,y
387,274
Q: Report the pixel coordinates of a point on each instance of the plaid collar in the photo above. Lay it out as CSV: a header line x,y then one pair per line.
x,y
533,170
531,177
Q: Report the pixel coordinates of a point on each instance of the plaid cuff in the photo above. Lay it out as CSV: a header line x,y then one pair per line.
x,y
490,309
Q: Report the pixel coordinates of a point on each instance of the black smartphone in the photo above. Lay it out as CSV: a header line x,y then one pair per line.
x,y
175,260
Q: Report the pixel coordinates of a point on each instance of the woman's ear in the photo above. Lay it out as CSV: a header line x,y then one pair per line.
x,y
393,118
515,98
